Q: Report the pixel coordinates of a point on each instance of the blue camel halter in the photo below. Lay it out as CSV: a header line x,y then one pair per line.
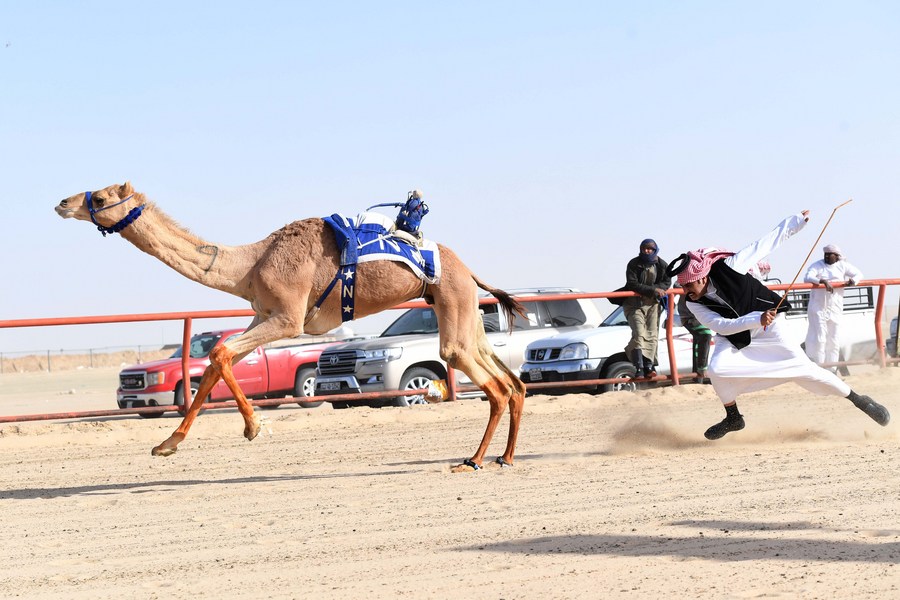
x,y
127,220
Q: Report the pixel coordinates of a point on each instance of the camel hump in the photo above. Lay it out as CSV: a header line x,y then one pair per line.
x,y
510,305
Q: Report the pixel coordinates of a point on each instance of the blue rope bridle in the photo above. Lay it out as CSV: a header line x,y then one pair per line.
x,y
127,220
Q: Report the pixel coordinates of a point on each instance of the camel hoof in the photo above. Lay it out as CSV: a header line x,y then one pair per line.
x,y
168,447
468,466
163,450
251,430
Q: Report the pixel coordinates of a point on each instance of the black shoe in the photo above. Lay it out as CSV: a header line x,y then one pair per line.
x,y
876,412
726,425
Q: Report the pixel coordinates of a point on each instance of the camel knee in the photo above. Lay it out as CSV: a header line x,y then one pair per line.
x,y
518,387
220,357
450,355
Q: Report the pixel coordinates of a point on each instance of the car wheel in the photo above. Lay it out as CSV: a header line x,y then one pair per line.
x,y
615,371
305,386
153,415
414,379
179,394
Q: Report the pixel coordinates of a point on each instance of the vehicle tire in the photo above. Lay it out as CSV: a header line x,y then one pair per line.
x,y
414,379
179,393
616,370
153,415
305,386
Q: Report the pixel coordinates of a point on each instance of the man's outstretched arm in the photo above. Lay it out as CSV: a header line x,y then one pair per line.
x,y
751,254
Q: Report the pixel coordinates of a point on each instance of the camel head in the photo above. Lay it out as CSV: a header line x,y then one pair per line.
x,y
111,209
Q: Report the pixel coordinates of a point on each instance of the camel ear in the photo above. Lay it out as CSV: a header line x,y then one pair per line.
x,y
125,190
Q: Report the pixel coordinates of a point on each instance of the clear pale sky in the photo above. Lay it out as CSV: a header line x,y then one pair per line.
x,y
549,138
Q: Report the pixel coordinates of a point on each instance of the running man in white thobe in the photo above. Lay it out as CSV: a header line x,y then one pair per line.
x,y
826,304
753,351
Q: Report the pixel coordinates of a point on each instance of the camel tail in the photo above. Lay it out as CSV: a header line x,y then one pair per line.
x,y
510,305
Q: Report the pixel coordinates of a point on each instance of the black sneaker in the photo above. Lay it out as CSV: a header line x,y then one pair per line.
x,y
876,412
725,426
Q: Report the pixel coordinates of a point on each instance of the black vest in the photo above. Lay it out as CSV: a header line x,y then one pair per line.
x,y
743,293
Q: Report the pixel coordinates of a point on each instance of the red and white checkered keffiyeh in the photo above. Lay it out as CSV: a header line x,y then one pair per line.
x,y
700,263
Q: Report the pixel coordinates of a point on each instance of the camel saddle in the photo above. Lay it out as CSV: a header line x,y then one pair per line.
x,y
372,236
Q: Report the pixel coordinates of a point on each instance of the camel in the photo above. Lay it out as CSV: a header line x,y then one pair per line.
x,y
283,275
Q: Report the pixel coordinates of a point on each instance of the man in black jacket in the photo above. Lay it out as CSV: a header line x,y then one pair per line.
x,y
646,275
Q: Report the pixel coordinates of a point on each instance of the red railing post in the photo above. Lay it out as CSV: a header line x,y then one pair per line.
x,y
451,384
185,368
670,343
879,335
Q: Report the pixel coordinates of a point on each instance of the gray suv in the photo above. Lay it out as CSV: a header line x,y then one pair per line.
x,y
406,355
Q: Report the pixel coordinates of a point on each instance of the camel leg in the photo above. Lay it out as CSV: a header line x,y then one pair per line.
x,y
219,368
224,357
210,377
516,406
502,389
498,401
259,332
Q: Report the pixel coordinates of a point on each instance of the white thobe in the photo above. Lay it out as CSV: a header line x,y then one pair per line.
x,y
773,356
825,309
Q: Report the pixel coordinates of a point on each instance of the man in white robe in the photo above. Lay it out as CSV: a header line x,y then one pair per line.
x,y
752,349
826,304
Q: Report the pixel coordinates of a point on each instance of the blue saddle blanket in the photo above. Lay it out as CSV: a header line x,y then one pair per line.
x,y
368,237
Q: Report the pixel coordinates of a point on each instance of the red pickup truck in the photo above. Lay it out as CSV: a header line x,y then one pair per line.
x,y
264,373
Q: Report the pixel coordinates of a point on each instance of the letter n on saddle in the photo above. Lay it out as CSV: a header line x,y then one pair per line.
x,y
346,239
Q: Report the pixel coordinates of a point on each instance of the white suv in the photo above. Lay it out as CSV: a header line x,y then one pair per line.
x,y
406,356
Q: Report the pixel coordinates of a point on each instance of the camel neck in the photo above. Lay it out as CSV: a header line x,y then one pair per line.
x,y
214,265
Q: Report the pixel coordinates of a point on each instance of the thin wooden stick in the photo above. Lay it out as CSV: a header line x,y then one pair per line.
x,y
811,250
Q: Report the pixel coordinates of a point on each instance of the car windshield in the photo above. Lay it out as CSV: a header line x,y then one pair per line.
x,y
201,345
615,318
415,320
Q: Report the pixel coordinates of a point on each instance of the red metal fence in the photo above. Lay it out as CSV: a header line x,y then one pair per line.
x,y
881,360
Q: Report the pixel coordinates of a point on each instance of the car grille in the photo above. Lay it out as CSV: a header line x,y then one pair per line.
x,y
543,354
132,381
337,363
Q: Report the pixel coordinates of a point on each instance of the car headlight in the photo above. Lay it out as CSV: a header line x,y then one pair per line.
x,y
157,378
382,354
574,352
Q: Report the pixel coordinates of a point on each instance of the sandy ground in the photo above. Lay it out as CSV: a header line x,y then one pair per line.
x,y
611,496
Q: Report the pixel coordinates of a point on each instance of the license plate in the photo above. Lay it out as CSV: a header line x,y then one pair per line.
x,y
535,374
330,386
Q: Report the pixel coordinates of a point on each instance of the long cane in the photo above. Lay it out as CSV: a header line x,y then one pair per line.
x,y
810,252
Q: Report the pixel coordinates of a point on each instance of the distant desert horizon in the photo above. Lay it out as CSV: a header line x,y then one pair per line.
x,y
33,363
